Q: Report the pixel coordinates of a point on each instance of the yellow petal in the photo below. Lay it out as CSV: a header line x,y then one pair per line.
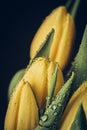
x,y
78,97
63,53
39,75
64,27
28,111
12,111
22,112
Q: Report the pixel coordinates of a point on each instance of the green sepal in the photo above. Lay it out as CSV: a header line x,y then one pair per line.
x,y
44,49
79,122
52,86
15,79
52,115
79,66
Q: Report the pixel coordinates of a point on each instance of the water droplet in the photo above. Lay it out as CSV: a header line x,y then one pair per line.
x,y
48,98
59,98
50,106
60,105
54,107
55,113
40,63
44,118
64,95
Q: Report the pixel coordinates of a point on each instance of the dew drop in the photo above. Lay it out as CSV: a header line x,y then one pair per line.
x,y
64,95
55,113
44,118
54,107
48,98
50,106
40,63
59,98
60,105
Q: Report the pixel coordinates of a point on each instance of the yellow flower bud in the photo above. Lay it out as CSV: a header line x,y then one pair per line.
x,y
80,96
64,27
39,75
22,112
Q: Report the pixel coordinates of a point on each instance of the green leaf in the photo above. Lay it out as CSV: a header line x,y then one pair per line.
x,y
79,66
79,122
53,113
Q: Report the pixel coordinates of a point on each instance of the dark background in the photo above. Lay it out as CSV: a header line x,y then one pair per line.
x,y
19,22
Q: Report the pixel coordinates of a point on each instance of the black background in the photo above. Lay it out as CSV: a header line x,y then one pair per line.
x,y
19,22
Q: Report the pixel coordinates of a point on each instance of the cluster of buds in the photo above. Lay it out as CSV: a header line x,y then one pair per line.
x,y
41,86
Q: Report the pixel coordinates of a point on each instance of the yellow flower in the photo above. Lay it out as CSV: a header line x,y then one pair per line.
x,y
39,75
22,112
64,35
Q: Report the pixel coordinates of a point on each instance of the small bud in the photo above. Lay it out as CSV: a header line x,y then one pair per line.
x,y
39,75
62,41
22,112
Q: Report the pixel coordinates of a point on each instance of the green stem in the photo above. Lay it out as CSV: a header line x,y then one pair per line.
x,y
75,8
52,86
68,4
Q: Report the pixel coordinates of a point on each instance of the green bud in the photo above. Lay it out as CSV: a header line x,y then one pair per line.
x,y
15,79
